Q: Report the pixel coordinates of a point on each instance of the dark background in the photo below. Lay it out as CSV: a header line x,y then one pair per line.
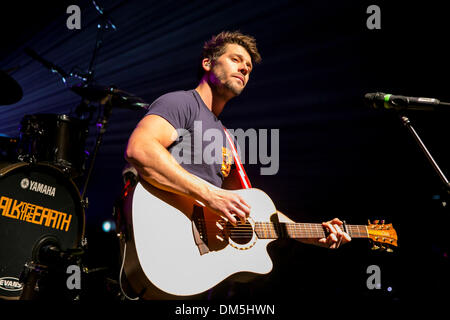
x,y
338,157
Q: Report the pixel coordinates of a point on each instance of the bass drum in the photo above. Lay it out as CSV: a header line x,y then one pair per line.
x,y
37,203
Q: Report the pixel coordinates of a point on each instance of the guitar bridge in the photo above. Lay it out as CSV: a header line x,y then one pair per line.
x,y
199,230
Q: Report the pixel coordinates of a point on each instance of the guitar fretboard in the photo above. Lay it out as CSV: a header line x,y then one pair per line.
x,y
270,230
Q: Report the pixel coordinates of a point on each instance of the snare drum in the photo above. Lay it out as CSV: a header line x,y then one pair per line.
x,y
55,139
37,202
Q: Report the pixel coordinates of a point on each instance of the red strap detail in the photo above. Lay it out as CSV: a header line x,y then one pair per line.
x,y
245,182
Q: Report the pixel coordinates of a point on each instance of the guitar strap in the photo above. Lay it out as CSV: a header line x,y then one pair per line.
x,y
245,182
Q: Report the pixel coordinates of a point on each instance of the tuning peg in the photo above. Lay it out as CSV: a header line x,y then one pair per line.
x,y
368,221
382,221
376,221
375,247
389,250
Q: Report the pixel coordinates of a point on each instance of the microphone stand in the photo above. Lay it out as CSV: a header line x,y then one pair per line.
x,y
407,123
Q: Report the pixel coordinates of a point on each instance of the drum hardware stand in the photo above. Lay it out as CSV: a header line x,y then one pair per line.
x,y
85,107
102,123
407,123
105,24
25,158
39,276
29,278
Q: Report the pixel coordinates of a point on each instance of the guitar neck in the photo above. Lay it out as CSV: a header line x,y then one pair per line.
x,y
272,230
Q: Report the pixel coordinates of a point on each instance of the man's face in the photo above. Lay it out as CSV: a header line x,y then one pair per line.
x,y
231,71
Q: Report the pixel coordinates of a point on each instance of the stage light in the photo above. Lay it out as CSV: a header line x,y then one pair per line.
x,y
389,289
108,226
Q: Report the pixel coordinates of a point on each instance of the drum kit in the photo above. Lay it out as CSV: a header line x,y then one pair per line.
x,y
42,212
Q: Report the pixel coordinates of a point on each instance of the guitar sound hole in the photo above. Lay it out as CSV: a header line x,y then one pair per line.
x,y
240,234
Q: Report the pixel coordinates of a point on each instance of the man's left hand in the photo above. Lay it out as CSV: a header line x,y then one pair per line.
x,y
336,236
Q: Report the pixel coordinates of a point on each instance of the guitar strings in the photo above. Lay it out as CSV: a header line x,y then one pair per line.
x,y
249,228
269,226
290,224
306,230
250,232
296,224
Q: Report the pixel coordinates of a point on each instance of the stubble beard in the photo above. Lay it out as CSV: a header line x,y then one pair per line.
x,y
224,85
233,87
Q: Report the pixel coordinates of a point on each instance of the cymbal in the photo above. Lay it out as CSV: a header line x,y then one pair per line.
x,y
120,98
11,91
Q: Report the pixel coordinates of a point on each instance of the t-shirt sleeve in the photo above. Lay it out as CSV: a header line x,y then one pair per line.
x,y
175,108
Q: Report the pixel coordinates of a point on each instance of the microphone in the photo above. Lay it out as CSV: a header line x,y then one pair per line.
x,y
380,100
47,251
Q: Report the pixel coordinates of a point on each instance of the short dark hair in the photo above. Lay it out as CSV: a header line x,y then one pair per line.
x,y
215,47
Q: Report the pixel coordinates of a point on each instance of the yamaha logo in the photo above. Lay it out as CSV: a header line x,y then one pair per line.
x,y
25,183
10,284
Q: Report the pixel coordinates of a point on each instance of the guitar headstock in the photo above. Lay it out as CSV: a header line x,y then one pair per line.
x,y
383,236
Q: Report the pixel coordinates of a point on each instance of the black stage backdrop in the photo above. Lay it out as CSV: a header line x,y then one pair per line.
x,y
337,157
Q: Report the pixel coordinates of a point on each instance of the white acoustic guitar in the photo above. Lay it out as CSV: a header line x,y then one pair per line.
x,y
176,248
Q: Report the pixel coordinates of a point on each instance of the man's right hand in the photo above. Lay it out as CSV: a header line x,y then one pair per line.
x,y
147,152
228,205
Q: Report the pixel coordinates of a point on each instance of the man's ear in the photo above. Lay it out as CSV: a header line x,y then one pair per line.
x,y
206,64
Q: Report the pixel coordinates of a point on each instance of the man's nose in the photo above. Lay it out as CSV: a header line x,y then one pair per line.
x,y
243,69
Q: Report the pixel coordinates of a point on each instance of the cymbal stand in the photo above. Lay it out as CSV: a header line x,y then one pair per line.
x,y
102,123
104,24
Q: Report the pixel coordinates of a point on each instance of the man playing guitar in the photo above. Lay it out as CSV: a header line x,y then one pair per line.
x,y
226,63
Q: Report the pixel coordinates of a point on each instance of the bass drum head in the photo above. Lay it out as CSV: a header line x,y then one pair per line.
x,y
37,201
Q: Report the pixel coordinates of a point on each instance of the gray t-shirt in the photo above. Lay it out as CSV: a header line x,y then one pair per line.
x,y
201,147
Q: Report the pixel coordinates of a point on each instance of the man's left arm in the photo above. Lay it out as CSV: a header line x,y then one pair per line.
x,y
336,236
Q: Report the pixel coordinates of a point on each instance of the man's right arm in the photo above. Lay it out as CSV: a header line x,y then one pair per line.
x,y
147,152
